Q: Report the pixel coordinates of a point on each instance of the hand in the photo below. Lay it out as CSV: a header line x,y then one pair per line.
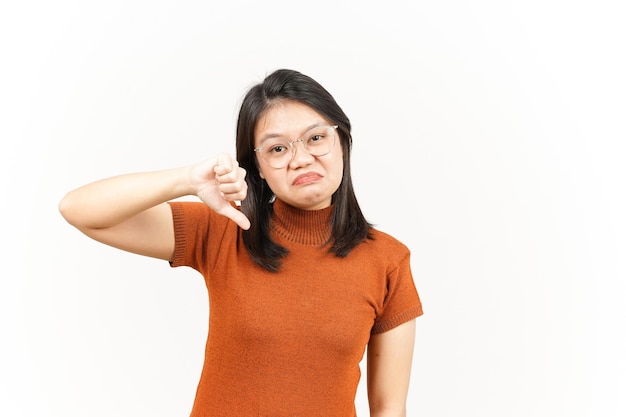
x,y
218,182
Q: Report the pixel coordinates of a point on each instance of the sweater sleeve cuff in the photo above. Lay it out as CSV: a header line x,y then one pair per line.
x,y
180,241
384,326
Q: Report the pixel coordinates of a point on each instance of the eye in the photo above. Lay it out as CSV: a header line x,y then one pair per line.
x,y
276,149
317,138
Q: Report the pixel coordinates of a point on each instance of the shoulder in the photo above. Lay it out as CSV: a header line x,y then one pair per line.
x,y
382,239
189,207
197,215
383,248
194,208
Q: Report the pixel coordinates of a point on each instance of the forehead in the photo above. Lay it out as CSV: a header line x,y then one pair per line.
x,y
287,118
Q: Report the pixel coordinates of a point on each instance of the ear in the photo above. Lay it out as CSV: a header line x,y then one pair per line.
x,y
261,174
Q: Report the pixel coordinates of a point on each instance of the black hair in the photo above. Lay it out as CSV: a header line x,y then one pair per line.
x,y
348,225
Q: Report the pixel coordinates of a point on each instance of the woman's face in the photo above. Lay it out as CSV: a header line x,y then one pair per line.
x,y
307,182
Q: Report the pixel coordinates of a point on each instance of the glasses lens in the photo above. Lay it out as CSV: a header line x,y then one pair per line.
x,y
320,140
276,153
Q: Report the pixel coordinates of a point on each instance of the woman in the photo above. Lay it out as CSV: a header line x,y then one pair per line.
x,y
299,283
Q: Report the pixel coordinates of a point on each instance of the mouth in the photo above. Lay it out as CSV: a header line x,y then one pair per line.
x,y
307,178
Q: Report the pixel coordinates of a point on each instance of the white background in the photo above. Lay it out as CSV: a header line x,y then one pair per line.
x,y
488,136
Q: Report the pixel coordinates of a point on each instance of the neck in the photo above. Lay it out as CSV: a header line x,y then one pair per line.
x,y
306,227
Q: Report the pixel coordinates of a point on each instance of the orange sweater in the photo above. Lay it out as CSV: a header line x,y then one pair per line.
x,y
289,343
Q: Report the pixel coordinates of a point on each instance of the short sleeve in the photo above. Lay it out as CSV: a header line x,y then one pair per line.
x,y
202,237
402,302
191,226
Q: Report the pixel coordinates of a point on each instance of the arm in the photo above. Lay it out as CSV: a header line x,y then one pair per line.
x,y
130,212
389,357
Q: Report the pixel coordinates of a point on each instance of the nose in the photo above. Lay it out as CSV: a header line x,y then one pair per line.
x,y
301,156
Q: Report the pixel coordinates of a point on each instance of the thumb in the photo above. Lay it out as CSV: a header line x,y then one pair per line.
x,y
235,215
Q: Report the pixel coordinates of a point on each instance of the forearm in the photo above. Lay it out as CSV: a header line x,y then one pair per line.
x,y
111,201
388,413
389,357
389,410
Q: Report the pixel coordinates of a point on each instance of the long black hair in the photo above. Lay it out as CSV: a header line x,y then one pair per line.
x,y
349,226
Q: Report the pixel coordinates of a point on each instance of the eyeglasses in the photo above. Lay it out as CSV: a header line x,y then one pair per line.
x,y
278,152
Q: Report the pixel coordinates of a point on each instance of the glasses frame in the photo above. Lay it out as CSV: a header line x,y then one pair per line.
x,y
293,147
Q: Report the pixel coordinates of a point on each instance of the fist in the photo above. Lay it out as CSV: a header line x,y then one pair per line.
x,y
219,182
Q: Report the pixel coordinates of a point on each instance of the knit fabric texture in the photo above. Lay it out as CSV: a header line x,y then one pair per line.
x,y
290,343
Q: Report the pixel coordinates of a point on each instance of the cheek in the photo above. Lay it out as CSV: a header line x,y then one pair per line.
x,y
273,179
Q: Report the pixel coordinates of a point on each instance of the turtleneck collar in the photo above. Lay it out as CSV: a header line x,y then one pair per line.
x,y
306,227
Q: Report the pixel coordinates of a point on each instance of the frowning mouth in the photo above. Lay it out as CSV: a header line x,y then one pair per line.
x,y
307,178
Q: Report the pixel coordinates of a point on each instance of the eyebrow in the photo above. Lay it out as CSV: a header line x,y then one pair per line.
x,y
271,135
